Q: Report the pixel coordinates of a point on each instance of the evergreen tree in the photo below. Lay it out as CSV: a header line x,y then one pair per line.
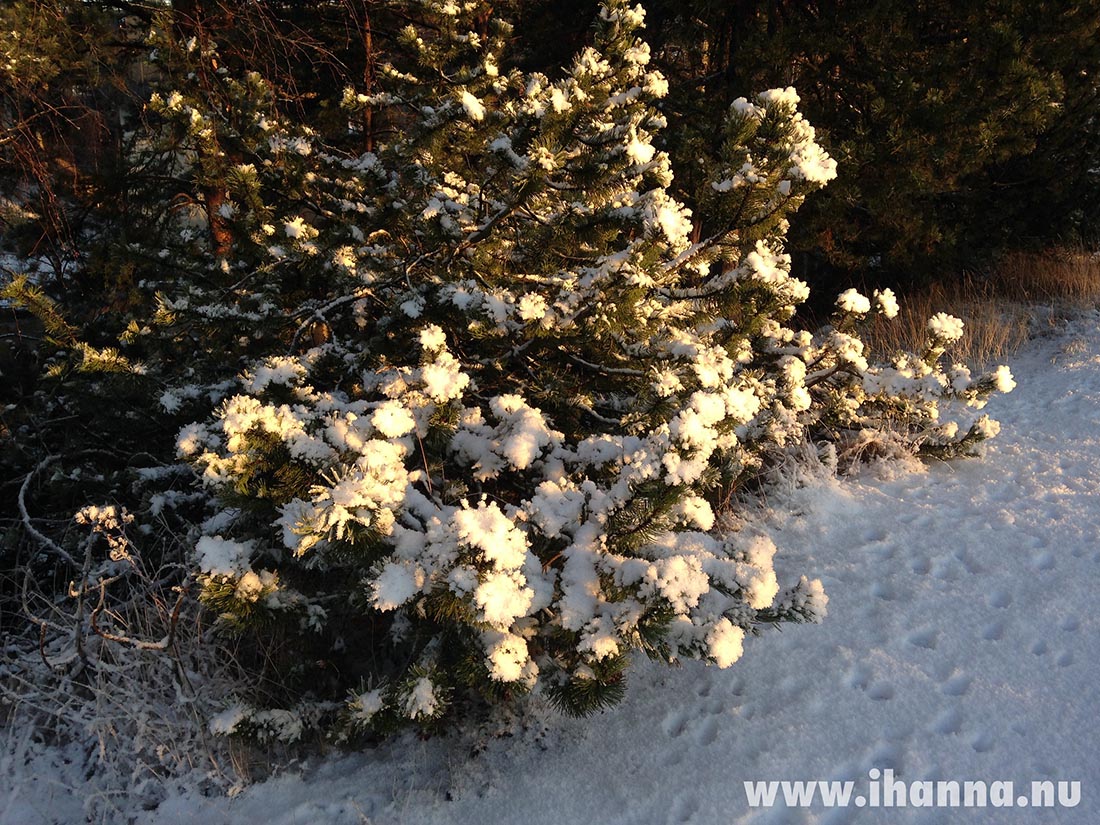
x,y
517,383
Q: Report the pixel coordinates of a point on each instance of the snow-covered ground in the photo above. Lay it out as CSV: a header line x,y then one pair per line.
x,y
962,644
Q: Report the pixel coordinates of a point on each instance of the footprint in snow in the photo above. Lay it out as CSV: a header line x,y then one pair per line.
x,y
1070,624
971,566
707,733
674,723
859,677
1043,561
994,631
839,816
683,809
883,552
944,570
925,638
982,742
875,534
1000,598
886,756
956,685
880,691
883,591
948,722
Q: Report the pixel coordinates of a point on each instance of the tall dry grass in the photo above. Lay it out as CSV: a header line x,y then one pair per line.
x,y
1069,276
1001,308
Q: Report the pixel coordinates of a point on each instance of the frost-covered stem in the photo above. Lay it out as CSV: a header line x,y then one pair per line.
x,y
78,624
139,644
601,418
815,379
318,314
604,368
689,254
483,231
424,461
25,597
42,539
43,627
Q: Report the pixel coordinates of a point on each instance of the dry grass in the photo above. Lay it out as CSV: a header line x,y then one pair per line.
x,y
998,307
994,327
1067,276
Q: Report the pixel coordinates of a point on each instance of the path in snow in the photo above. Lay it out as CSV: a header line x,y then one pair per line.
x,y
961,643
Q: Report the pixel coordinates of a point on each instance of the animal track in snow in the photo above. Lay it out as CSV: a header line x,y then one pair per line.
x,y
1000,598
956,685
883,552
944,570
708,732
994,631
703,723
683,809
880,691
925,638
886,756
875,534
859,677
948,722
881,590
983,742
1043,561
674,723
971,566
1070,624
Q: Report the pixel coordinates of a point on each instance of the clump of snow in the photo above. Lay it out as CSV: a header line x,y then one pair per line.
x,y
421,701
852,301
432,338
1002,379
393,420
886,302
218,556
945,328
395,585
295,228
475,109
725,643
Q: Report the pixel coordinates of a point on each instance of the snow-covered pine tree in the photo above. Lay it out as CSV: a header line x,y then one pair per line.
x,y
483,454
